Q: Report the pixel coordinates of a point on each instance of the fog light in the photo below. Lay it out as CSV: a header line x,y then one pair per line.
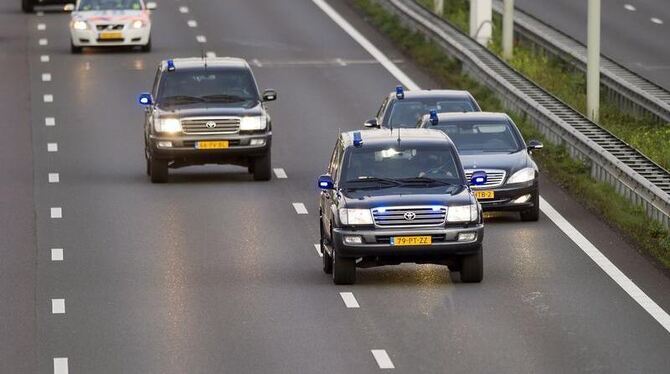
x,y
467,236
257,142
522,199
164,144
353,240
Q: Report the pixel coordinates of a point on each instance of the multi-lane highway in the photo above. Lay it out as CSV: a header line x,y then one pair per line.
x,y
634,32
104,272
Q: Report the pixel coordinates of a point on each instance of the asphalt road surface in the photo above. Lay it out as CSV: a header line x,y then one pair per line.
x,y
216,273
634,32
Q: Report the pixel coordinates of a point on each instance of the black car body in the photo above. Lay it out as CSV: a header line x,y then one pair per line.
x,y
405,108
378,208
29,5
492,143
206,110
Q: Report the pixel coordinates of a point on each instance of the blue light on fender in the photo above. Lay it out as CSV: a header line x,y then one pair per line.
x,y
170,65
478,178
326,182
145,99
434,119
400,92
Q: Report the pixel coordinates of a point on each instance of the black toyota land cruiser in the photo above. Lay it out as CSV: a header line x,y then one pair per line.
x,y
206,111
398,196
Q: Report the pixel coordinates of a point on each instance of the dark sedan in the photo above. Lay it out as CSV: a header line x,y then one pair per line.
x,y
28,6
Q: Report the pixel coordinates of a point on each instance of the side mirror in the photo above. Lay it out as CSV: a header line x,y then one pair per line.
x,y
478,178
534,144
269,95
69,8
151,5
145,99
371,123
326,182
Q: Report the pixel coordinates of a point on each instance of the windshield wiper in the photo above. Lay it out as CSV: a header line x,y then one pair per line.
x,y
226,98
424,180
374,182
182,98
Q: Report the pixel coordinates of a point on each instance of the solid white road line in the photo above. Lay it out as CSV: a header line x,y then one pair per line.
x,y
610,269
349,300
317,248
58,306
358,37
210,54
192,23
41,27
183,9
657,21
56,254
201,39
46,77
382,358
54,178
45,58
50,121
300,208
43,41
56,212
280,173
48,98
52,147
60,365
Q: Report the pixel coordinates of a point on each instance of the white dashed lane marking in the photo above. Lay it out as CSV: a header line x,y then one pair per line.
x,y
349,300
45,58
41,27
382,358
48,98
630,7
300,208
56,212
54,178
192,23
657,21
43,41
56,254
257,63
201,39
183,9
50,121
52,147
60,365
280,173
46,77
210,54
58,306
317,248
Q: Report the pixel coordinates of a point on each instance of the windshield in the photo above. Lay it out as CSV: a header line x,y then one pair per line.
x,y
389,166
480,137
407,113
233,86
86,5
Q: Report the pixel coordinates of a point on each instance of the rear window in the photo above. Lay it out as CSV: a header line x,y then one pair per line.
x,y
406,113
483,136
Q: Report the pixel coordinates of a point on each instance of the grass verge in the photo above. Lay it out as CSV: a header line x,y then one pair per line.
x,y
554,161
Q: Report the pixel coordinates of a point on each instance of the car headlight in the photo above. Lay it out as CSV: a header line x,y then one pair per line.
x,y
168,125
523,175
137,24
462,213
355,216
79,25
253,123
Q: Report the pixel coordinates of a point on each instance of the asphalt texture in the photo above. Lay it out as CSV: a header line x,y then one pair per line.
x,y
627,37
214,272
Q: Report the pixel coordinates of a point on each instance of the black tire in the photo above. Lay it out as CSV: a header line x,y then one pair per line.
x,y
75,50
147,47
262,168
158,171
327,260
344,269
532,214
28,6
472,267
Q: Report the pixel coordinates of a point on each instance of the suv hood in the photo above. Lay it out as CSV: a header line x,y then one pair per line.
x,y
503,161
209,110
406,196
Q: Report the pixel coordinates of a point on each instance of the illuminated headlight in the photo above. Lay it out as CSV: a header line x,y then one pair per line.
x,y
137,24
253,123
462,213
168,125
79,25
523,175
355,216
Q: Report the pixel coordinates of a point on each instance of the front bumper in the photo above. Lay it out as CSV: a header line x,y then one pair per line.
x,y
129,37
504,197
376,242
184,151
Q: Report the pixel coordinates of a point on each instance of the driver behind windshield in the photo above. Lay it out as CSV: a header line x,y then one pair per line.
x,y
214,85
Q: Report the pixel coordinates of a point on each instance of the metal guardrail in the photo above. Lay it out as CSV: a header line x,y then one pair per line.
x,y
632,91
611,160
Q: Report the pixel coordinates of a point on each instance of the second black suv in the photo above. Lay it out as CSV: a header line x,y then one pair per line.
x,y
206,110
398,196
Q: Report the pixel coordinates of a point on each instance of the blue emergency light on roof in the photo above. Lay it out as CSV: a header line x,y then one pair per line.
x,y
400,92
358,140
434,120
170,65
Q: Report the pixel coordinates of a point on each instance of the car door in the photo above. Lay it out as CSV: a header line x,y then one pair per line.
x,y
327,199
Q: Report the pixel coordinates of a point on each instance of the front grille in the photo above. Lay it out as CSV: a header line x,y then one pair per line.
x,y
494,178
109,27
411,216
219,126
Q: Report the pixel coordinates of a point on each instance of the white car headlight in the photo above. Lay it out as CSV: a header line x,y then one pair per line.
x,y
137,24
355,216
253,123
168,125
79,25
462,213
523,175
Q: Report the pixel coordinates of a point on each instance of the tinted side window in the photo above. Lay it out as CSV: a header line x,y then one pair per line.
x,y
154,90
382,108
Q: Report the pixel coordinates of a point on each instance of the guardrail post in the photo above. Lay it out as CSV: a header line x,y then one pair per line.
x,y
593,61
439,6
481,26
508,30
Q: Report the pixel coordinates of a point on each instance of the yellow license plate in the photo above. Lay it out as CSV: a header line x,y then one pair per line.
x,y
220,144
111,35
411,240
484,195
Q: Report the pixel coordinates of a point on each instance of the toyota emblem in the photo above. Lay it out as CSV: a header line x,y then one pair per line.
x,y
210,125
409,216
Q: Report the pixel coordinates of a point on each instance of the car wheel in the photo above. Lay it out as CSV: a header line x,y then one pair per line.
x,y
158,170
147,47
532,214
472,267
344,269
327,260
262,168
27,6
75,50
